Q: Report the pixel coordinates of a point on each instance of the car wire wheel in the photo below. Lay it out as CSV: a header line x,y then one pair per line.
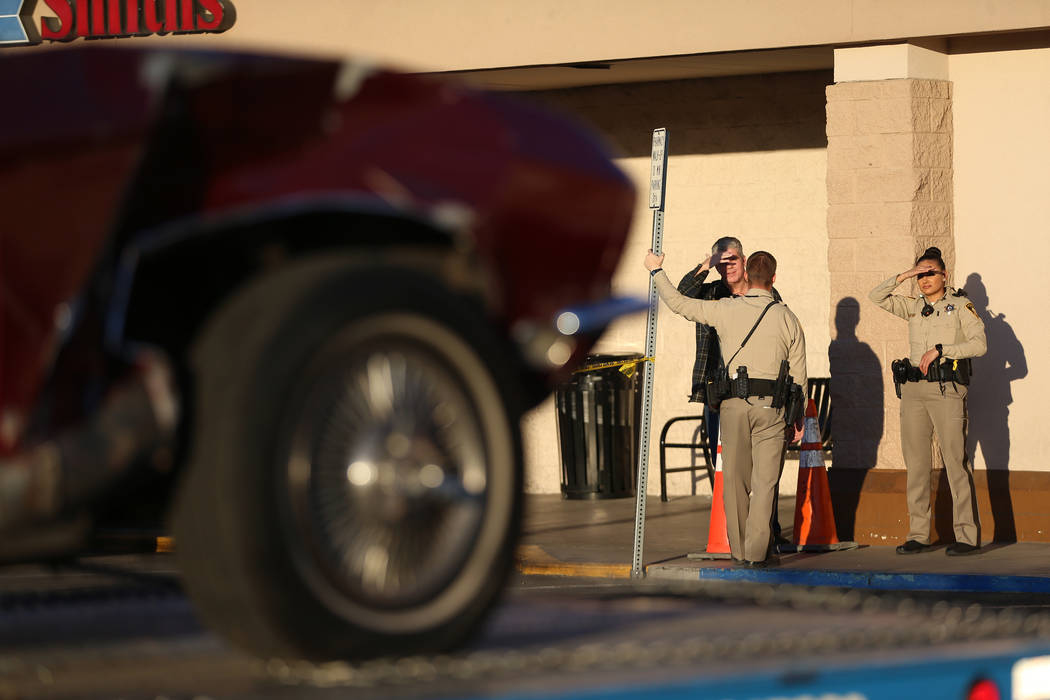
x,y
387,467
354,486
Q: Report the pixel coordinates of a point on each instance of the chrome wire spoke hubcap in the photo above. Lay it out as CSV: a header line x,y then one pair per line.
x,y
387,473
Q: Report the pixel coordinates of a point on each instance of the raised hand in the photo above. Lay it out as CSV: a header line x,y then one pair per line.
x,y
924,266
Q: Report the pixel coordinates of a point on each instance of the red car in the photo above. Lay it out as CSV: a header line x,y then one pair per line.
x,y
292,309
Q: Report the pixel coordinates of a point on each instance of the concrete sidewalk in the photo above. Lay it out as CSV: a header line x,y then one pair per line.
x,y
596,538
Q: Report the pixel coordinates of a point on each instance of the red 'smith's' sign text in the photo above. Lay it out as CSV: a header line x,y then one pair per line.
x,y
95,19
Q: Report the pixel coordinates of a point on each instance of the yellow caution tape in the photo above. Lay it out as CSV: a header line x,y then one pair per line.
x,y
627,367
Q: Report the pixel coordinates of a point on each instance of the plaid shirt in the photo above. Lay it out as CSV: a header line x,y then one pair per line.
x,y
708,351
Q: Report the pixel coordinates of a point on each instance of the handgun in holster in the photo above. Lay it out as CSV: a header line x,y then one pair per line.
x,y
788,395
781,386
900,370
796,405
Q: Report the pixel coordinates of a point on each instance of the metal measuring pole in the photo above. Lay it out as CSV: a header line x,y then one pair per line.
x,y
657,190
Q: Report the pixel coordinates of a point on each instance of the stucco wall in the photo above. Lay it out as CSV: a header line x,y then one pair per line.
x,y
748,158
1002,211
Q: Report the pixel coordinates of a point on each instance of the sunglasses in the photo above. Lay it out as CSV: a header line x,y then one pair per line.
x,y
931,273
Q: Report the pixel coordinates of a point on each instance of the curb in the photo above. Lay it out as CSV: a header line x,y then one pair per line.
x,y
533,559
870,580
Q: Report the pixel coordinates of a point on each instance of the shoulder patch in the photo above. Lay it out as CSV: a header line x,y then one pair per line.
x,y
969,305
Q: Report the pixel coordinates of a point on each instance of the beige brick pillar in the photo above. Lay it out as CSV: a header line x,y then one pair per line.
x,y
889,183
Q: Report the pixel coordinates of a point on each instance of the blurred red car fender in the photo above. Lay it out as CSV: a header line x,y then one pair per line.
x,y
534,195
292,310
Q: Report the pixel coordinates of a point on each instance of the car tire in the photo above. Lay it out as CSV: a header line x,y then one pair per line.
x,y
354,481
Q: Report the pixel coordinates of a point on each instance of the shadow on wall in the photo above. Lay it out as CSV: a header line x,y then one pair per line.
x,y
771,112
988,404
858,401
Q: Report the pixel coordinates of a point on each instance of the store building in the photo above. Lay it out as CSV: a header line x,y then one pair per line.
x,y
844,136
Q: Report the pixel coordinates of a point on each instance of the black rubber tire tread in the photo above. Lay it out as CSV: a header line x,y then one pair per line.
x,y
237,569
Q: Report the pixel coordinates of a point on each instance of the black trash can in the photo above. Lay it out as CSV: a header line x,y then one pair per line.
x,y
599,411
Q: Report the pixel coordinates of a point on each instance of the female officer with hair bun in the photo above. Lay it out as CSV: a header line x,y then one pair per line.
x,y
944,332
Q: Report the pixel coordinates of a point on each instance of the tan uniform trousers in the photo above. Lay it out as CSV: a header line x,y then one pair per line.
x,y
752,447
925,411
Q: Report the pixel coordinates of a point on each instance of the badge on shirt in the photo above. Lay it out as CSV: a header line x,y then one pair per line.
x,y
950,308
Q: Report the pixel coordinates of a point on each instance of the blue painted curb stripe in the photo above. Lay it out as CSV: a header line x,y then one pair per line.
x,y
884,581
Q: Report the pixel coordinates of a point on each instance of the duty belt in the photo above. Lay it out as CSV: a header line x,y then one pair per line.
x,y
760,387
957,371
940,374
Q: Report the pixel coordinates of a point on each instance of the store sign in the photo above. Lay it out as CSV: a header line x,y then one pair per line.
x,y
110,19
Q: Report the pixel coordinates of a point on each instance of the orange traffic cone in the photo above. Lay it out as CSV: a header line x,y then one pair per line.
x,y
814,518
717,536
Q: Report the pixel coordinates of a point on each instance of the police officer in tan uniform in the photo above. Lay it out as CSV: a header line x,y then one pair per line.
x,y
753,433
944,331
